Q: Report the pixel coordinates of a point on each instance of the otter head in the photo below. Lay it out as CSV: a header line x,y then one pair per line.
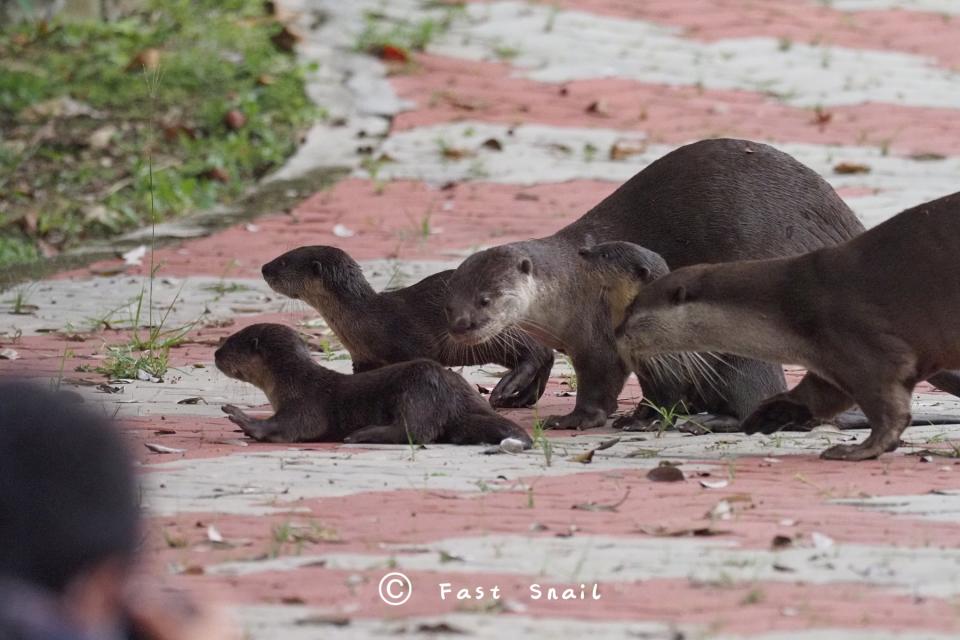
x,y
249,354
623,268
490,291
661,317
314,272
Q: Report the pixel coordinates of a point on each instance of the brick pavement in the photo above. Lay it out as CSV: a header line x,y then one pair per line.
x,y
773,543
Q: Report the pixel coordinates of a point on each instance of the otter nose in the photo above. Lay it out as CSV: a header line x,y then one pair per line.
x,y
462,324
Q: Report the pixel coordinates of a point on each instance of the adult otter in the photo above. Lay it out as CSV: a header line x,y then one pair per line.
x,y
869,319
711,201
624,269
418,401
396,326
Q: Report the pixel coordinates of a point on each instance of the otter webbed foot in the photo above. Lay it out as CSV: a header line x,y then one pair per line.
x,y
515,390
775,414
577,419
259,430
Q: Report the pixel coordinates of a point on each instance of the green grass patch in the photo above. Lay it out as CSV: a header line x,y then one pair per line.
x,y
217,107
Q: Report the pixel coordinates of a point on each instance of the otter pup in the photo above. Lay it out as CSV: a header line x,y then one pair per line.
x,y
711,201
411,402
869,319
406,324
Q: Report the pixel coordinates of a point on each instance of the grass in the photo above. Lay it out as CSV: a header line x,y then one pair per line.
x,y
540,439
668,415
66,178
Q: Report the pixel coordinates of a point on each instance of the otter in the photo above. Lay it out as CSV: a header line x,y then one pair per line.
x,y
405,324
869,319
624,269
716,200
417,402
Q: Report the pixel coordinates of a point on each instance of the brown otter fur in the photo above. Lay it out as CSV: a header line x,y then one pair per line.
x,y
418,401
405,324
711,201
869,319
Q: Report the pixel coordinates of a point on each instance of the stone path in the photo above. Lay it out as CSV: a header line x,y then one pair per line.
x,y
517,118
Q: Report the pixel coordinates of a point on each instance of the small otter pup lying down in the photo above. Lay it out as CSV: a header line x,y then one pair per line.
x,y
418,401
869,319
397,326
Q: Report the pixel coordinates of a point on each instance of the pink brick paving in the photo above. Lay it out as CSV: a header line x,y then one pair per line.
x,y
509,521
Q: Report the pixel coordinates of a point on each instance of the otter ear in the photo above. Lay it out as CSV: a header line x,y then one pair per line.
x,y
679,295
525,266
255,343
317,267
643,274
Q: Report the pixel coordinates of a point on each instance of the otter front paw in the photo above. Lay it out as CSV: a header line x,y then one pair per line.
x,y
236,415
775,414
515,390
577,419
853,452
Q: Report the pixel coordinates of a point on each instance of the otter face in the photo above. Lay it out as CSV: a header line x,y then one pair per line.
x,y
617,262
490,291
309,271
243,355
623,268
658,320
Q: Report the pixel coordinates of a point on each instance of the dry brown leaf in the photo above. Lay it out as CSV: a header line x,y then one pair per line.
x,y
850,168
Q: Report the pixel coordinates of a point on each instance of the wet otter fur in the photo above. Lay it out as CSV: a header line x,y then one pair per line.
x,y
405,324
412,402
869,319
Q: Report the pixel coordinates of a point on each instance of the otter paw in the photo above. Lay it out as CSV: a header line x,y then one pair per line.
x,y
853,452
577,419
514,391
775,414
633,422
236,415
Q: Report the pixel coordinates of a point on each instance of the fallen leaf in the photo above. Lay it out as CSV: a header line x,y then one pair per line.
x,y
292,600
623,149
492,144
134,257
845,168
821,541
440,627
342,231
265,80
192,400
217,174
455,153
465,104
234,119
583,458
598,107
101,137
323,620
286,39
214,535
165,432
391,53
720,511
781,542
593,506
9,354
106,388
927,157
821,117
606,444
484,391
62,107
696,532
665,473
159,448
148,59
714,484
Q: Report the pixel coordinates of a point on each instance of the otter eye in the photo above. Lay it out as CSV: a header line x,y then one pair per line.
x,y
484,301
